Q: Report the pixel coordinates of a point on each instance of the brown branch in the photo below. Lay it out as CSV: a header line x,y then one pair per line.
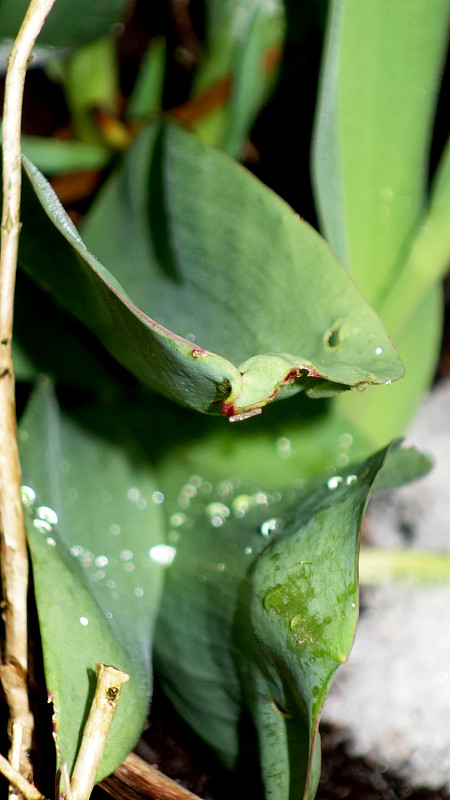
x,y
14,559
135,779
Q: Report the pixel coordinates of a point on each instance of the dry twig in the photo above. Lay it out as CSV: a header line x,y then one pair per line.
x,y
14,557
135,779
109,684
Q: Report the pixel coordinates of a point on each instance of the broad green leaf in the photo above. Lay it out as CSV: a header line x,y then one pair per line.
x,y
259,608
71,23
206,249
92,517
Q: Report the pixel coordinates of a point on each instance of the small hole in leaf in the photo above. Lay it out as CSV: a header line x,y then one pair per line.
x,y
333,338
276,705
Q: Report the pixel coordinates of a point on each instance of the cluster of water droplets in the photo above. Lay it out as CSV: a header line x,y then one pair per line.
x,y
106,569
44,519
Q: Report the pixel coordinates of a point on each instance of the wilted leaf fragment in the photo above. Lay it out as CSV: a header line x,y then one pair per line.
x,y
215,293
91,521
259,608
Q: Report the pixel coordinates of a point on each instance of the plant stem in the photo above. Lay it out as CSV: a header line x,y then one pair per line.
x,y
18,781
378,565
14,556
109,683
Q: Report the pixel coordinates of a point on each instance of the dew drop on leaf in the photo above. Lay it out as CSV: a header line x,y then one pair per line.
x,y
28,495
268,527
334,482
47,514
162,554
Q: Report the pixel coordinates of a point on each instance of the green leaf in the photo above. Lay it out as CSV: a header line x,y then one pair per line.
x,y
373,131
147,94
66,25
259,608
92,516
232,293
370,167
53,156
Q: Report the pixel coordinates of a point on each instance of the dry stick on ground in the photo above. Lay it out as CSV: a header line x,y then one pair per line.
x,y
135,780
14,559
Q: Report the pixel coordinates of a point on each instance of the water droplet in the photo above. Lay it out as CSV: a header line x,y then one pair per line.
x,y
260,498
345,439
378,351
87,558
111,584
141,503
334,481
133,494
42,526
101,561
139,592
47,514
248,551
162,554
268,526
241,504
115,530
158,498
387,383
284,447
84,621
217,513
108,615
126,555
129,566
386,194
221,566
196,480
23,435
28,495
190,337
189,490
342,460
206,487
224,488
177,520
351,479
76,550
50,541
353,605
275,599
